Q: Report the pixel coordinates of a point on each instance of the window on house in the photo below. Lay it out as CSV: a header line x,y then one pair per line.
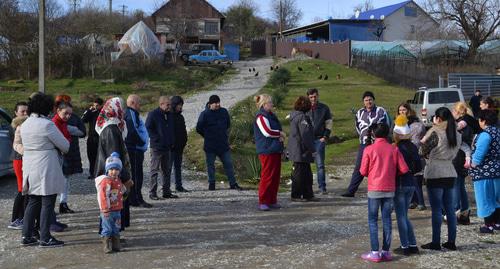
x,y
211,28
410,11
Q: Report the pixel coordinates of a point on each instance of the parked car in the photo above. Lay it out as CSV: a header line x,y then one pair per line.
x,y
195,49
6,151
426,101
209,57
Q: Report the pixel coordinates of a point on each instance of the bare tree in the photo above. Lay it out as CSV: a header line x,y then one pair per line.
x,y
286,13
362,7
477,19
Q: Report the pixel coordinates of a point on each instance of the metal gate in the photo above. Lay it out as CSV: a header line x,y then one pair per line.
x,y
489,84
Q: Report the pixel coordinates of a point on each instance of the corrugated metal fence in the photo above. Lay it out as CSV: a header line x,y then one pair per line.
x,y
489,84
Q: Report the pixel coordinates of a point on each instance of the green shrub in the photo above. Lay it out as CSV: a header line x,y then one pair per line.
x,y
280,78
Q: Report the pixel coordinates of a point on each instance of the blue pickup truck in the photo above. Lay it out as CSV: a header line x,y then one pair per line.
x,y
209,57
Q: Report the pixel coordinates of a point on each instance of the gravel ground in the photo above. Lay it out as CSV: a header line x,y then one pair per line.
x,y
223,229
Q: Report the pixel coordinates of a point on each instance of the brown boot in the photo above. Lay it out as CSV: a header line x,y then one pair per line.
x,y
116,243
107,245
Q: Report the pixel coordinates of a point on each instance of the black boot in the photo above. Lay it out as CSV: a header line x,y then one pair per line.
x,y
64,209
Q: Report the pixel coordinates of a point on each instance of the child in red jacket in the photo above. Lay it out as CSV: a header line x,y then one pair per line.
x,y
380,163
110,192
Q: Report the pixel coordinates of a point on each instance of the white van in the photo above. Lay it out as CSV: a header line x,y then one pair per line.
x,y
426,101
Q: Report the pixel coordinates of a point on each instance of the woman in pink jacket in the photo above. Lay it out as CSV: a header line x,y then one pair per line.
x,y
381,163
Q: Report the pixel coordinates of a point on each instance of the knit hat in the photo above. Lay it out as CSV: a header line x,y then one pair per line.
x,y
401,126
213,99
113,161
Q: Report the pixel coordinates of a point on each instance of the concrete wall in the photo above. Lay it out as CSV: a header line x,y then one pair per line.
x,y
339,52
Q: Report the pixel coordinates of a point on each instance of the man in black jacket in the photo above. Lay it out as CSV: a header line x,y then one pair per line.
x,y
137,143
90,117
180,140
321,118
160,127
475,101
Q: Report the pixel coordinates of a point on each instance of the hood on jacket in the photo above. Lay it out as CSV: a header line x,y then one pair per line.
x,y
17,121
295,113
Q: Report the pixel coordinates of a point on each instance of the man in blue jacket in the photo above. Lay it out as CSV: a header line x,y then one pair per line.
x,y
136,143
160,127
213,124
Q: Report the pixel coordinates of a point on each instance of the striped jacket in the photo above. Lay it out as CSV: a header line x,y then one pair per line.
x,y
365,119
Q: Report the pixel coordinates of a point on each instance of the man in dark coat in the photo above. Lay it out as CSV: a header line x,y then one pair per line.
x,y
90,116
180,134
136,143
213,124
160,125
475,101
321,119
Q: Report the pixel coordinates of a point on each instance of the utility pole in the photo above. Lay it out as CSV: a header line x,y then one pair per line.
x,y
41,46
281,18
110,7
124,7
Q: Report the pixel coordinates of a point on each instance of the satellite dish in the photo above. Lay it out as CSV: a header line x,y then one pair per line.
x,y
382,17
356,14
372,17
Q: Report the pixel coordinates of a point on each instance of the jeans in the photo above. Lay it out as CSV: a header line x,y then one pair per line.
x,y
385,204
320,163
226,162
160,159
176,162
442,198
111,224
42,206
461,200
136,162
418,197
356,177
401,204
64,196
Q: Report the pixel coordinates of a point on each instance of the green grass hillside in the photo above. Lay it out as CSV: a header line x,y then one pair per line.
x,y
343,96
178,81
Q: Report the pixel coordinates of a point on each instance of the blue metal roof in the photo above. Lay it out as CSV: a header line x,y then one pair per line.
x,y
386,11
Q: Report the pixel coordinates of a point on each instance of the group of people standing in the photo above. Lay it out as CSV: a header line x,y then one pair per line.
x,y
47,154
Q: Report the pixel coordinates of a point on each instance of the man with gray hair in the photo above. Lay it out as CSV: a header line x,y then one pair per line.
x,y
160,126
136,143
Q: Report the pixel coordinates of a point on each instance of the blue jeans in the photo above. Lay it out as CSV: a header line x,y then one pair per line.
x,y
401,204
385,204
320,163
64,195
176,163
356,178
442,198
111,224
226,162
418,196
461,200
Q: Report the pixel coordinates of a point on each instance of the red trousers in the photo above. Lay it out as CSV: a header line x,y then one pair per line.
x,y
18,170
269,178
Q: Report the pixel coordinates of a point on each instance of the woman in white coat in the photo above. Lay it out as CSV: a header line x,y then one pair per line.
x,y
43,178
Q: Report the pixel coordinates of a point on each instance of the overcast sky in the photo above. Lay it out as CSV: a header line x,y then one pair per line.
x,y
310,8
